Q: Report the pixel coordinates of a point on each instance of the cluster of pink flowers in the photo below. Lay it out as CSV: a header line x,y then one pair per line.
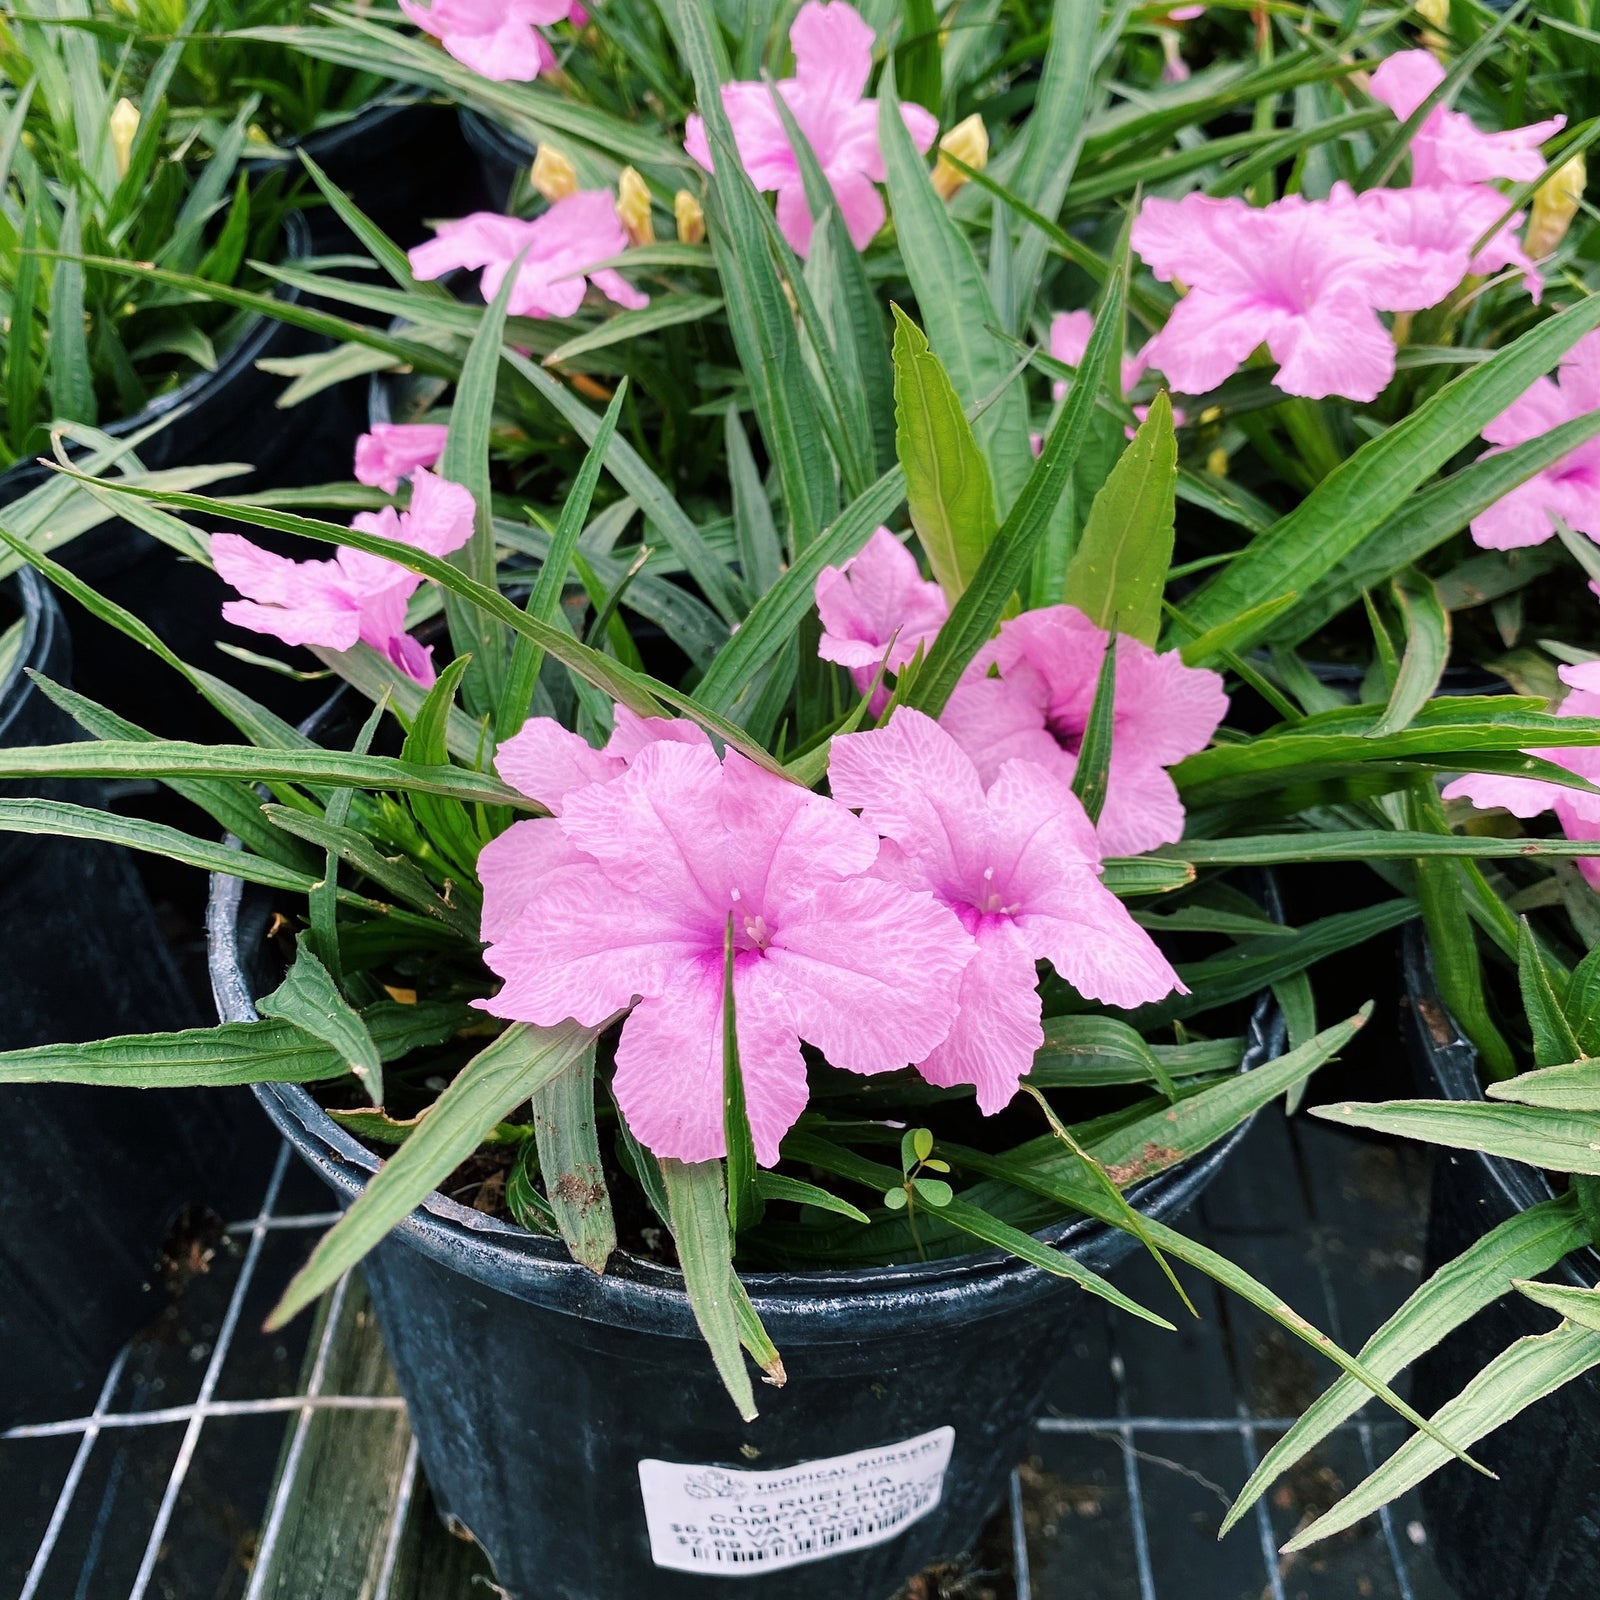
x,y
1577,812
558,251
499,39
1028,693
903,936
833,60
1570,488
356,596
1308,278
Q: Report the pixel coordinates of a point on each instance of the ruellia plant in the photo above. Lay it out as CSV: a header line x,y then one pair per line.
x,y
818,798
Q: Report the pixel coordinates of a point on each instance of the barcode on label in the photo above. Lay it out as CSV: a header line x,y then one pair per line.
x,y
724,1520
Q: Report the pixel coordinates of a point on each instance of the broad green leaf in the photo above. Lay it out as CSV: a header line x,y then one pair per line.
x,y
1532,1241
698,1211
1006,563
310,999
947,482
569,1157
1538,1135
1519,1376
228,1055
1374,483
1119,569
953,300
495,1081
1568,1086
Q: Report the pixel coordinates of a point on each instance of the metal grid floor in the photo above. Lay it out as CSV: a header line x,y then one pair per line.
x,y
178,1484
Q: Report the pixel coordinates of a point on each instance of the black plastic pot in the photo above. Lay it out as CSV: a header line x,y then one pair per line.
x,y
537,1389
402,160
1535,1535
502,156
90,1179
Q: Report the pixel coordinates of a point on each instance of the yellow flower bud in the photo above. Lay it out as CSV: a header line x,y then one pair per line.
x,y
1555,204
554,175
124,130
1217,463
1435,11
691,219
633,207
969,142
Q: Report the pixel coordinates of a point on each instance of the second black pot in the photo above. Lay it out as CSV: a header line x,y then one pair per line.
x,y
90,1178
1535,1535
575,1424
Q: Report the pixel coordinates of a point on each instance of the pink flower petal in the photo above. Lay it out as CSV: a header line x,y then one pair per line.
x,y
394,450
513,866
547,762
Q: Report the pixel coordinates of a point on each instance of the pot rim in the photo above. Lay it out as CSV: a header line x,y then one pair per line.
x,y
637,1292
1452,1066
42,635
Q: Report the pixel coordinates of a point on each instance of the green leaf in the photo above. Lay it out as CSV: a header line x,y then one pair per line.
x,y
1532,1241
71,382
1579,1306
1006,564
759,317
1361,844
495,1081
1374,483
953,300
1568,1086
775,1186
448,825
1092,773
1427,650
754,1337
1524,1373
917,58
1092,1052
523,1199
669,312
699,1215
1554,1042
1119,569
744,1199
947,482
1537,1135
310,999
1130,876
545,600
21,405
569,1157
755,534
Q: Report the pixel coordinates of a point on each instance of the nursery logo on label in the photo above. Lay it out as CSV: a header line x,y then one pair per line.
x,y
715,1520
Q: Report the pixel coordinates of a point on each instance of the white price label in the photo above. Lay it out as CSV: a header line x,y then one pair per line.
x,y
719,1521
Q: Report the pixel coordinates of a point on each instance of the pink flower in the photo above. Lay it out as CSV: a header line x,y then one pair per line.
x,y
1577,812
1293,275
1019,864
561,247
877,609
1429,234
1070,332
355,596
1448,148
636,881
1037,709
1569,489
833,59
394,450
499,39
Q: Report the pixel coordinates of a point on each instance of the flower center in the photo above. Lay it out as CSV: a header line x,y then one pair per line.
x,y
988,900
1066,731
750,931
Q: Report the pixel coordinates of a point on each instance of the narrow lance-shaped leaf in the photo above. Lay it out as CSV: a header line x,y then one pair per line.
x,y
744,1200
699,1215
1427,650
1091,776
1519,1376
310,999
569,1157
1554,1042
947,481
494,1082
1119,569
